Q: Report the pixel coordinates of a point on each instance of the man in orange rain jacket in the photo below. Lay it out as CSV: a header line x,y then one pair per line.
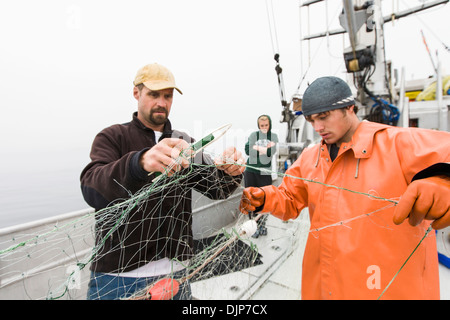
x,y
351,183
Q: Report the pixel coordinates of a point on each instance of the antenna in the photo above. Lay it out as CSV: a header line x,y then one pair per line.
x,y
428,50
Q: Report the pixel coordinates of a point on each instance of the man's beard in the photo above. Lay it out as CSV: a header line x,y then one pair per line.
x,y
158,119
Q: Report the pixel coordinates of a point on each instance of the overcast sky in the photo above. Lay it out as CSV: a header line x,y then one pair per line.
x,y
67,67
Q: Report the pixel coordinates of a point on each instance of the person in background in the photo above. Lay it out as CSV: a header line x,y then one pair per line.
x,y
357,243
127,157
260,148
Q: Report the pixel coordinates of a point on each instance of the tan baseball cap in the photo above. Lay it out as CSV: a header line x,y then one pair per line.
x,y
155,77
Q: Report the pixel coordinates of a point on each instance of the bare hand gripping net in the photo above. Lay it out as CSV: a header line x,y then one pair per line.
x,y
60,256
53,260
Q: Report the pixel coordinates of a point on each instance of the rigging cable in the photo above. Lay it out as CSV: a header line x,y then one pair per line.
x,y
320,45
275,50
416,14
286,114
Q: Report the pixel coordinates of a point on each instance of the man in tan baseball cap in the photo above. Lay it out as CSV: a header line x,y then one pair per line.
x,y
155,77
126,158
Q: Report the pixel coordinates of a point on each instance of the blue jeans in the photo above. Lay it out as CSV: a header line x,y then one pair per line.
x,y
108,287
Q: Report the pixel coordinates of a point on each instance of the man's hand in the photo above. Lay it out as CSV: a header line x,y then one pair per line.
x,y
263,150
231,162
166,156
251,199
427,199
260,149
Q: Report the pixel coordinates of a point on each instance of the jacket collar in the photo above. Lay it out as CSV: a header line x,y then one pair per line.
x,y
362,140
167,131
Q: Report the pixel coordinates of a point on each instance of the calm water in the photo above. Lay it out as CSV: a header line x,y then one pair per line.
x,y
50,187
43,182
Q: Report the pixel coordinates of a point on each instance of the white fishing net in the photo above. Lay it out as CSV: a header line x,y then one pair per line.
x,y
52,260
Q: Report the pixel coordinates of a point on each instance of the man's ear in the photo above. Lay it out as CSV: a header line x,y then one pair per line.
x,y
136,93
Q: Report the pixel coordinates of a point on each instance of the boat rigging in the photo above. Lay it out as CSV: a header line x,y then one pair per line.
x,y
368,72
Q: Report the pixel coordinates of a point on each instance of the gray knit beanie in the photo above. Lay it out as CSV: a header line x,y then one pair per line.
x,y
326,93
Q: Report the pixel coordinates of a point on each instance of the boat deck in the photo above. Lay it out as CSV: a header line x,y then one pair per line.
x,y
279,277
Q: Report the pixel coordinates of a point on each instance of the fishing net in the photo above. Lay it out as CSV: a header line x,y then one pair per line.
x,y
52,260
71,243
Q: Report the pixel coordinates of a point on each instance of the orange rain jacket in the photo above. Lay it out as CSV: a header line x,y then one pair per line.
x,y
354,249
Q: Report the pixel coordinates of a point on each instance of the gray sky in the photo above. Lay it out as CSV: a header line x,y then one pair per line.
x,y
67,66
